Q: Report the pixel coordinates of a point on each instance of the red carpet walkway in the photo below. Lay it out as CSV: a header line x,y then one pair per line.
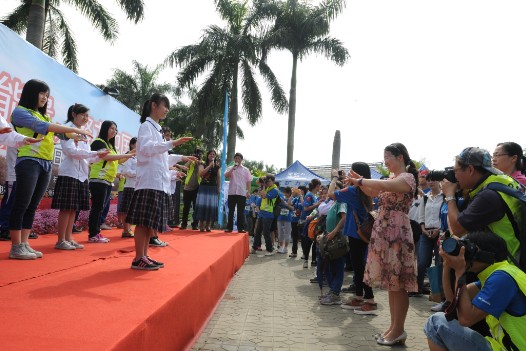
x,y
91,300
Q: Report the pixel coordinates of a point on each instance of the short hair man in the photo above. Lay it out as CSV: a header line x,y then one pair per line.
x,y
484,208
499,296
238,192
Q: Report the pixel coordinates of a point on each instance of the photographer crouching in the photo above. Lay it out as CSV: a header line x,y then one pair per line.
x,y
499,297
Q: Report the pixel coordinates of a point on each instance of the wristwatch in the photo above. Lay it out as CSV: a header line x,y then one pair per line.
x,y
449,198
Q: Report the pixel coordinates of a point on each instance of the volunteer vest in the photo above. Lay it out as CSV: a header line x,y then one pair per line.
x,y
507,330
503,226
43,150
122,181
191,170
104,170
268,204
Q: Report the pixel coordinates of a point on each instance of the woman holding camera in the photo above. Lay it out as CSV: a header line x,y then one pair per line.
x,y
208,193
391,262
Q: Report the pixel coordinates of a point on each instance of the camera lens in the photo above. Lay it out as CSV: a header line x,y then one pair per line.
x,y
451,246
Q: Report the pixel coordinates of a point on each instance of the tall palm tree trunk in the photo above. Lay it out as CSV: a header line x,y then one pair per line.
x,y
35,23
232,120
292,111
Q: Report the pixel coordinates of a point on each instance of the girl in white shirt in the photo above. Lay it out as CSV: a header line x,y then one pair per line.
x,y
129,171
72,189
149,209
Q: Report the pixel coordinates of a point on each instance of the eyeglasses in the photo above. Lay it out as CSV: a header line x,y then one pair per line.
x,y
498,155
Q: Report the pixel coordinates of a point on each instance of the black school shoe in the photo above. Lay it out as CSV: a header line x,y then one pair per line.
x,y
350,289
156,242
33,235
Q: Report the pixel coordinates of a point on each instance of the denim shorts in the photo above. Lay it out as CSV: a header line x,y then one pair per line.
x,y
453,336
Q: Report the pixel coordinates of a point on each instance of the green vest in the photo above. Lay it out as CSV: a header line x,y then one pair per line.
x,y
503,226
268,204
122,181
43,150
104,170
191,170
506,326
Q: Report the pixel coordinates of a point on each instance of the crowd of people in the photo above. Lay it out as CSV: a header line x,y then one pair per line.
x,y
468,217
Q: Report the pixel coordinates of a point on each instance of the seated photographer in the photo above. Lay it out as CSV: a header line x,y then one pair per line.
x,y
499,297
485,208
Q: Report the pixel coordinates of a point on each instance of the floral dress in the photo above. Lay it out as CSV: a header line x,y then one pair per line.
x,y
391,261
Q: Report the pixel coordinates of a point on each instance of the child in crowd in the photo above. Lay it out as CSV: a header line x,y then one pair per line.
x,y
151,199
129,172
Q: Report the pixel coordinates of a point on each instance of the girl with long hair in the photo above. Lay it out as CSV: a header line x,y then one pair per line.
x,y
208,194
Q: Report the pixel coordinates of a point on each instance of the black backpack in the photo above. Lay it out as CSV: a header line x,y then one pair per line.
x,y
519,224
277,206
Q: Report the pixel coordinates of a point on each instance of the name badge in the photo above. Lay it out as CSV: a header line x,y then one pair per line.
x,y
284,212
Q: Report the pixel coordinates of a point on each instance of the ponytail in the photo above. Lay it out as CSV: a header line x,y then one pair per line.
x,y
147,107
399,149
75,109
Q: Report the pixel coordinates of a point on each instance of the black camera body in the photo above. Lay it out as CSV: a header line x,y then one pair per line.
x,y
448,173
452,247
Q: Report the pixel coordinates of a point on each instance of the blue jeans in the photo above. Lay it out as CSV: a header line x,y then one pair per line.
x,y
426,246
453,336
263,226
334,273
7,205
106,208
32,181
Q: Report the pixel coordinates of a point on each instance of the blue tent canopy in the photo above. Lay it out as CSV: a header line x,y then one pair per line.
x,y
297,174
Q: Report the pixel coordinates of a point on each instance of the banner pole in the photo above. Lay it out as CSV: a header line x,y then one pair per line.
x,y
221,211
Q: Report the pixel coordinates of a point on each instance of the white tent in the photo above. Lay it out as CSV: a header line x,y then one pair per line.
x,y
297,174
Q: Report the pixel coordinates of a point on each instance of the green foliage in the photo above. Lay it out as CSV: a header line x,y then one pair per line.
x,y
259,168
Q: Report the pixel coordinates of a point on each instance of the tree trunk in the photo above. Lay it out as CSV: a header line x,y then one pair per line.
x,y
336,146
232,120
35,23
292,111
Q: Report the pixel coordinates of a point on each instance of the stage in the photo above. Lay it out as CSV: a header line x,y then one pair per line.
x,y
91,300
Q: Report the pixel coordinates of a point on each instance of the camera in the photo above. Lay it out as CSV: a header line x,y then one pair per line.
x,y
452,247
448,173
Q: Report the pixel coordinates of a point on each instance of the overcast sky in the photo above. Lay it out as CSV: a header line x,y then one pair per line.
x,y
437,76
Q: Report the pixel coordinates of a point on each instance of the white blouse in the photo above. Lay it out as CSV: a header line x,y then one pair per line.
x,y
129,170
76,158
153,161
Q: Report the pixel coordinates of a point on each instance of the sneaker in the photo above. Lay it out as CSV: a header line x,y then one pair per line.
x,y
76,245
195,228
293,255
4,235
144,264
439,307
98,239
241,231
306,264
157,243
127,234
313,262
302,257
33,235
228,230
352,304
314,280
157,263
269,253
31,250
182,228
64,245
259,248
282,251
19,252
331,299
104,226
76,229
350,289
367,308
253,252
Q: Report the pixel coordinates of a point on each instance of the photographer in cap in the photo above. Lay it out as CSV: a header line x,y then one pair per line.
x,y
499,297
483,208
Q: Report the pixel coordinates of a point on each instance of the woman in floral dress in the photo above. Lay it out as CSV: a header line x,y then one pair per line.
x,y
391,262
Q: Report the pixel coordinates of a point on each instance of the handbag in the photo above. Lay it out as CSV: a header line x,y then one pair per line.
x,y
335,248
365,228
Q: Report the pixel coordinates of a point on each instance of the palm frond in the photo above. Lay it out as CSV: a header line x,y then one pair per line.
x,y
252,104
68,43
331,8
278,96
99,17
331,48
17,20
134,9
52,37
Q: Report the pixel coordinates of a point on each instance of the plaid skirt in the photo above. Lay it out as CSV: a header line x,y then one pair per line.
x,y
70,194
149,208
206,205
126,199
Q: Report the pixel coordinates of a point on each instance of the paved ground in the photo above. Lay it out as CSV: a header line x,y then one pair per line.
x,y
271,305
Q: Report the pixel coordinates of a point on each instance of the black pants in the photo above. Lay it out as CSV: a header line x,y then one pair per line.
x,y
295,235
99,193
189,197
238,201
358,250
177,203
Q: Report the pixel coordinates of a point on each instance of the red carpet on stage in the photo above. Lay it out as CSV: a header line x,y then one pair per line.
x,y
91,300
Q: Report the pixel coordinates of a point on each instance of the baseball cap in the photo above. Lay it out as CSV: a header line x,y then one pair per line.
x,y
476,156
424,172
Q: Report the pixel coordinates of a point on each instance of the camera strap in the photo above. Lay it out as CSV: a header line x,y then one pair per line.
x,y
451,310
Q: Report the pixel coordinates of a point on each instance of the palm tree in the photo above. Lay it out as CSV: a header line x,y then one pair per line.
x,y
303,29
47,28
229,55
137,87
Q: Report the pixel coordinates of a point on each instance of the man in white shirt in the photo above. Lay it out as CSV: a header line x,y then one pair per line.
x,y
238,192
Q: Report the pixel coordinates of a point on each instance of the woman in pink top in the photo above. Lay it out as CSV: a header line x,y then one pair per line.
x,y
509,159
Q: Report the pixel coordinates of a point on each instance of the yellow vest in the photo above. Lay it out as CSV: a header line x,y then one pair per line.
x,y
268,204
507,328
191,169
43,150
503,226
122,181
105,170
